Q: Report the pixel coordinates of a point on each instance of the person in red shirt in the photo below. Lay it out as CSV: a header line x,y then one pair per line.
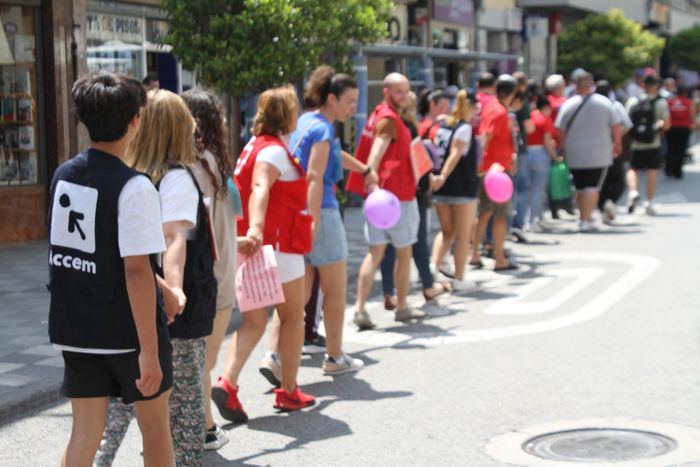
x,y
432,104
385,146
499,153
541,151
555,85
485,94
682,121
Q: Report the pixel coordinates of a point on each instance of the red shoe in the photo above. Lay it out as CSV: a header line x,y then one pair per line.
x,y
290,401
225,396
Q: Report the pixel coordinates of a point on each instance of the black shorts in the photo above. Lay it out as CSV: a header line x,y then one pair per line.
x,y
589,179
94,375
646,159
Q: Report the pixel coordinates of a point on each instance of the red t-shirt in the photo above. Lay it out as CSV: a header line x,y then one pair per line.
x,y
428,125
496,121
483,99
680,111
542,125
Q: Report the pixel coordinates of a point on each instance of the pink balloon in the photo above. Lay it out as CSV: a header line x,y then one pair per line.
x,y
498,186
382,209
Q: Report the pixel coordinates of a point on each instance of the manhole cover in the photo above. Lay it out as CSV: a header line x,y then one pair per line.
x,y
599,445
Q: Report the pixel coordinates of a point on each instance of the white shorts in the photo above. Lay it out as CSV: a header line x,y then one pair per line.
x,y
290,265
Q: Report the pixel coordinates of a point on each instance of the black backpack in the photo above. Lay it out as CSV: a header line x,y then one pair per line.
x,y
643,116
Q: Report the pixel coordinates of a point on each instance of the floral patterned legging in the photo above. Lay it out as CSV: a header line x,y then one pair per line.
x,y
186,410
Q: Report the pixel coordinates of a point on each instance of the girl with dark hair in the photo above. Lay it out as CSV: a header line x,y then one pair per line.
x,y
333,97
213,169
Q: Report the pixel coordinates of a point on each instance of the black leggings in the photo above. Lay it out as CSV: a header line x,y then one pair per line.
x,y
677,138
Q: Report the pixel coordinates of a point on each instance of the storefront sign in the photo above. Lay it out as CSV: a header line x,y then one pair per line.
x,y
514,19
537,26
454,11
107,28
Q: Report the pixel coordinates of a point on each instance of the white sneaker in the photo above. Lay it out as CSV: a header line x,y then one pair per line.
x,y
464,285
343,364
594,226
536,227
632,201
650,208
584,226
271,368
215,439
609,211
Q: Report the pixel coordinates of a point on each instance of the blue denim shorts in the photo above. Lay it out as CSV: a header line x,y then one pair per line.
x,y
331,242
404,233
453,200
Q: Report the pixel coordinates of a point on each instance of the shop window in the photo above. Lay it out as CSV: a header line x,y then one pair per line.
x,y
115,43
19,129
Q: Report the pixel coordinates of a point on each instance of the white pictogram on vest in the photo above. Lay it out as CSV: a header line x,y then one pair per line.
x,y
73,216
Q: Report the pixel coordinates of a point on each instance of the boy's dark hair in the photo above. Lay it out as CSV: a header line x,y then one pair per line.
x,y
150,77
106,103
486,80
505,86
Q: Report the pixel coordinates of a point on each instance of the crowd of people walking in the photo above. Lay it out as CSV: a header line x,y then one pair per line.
x,y
147,225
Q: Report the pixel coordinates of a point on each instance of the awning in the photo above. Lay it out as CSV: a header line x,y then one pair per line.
x,y
441,54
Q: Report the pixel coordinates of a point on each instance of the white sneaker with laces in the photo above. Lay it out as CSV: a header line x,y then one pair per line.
x,y
271,368
584,226
215,439
632,201
343,364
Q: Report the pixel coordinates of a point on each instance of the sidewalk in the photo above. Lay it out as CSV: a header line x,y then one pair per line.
x,y
31,370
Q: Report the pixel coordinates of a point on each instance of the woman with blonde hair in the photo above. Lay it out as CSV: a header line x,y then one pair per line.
x,y
273,189
455,188
164,150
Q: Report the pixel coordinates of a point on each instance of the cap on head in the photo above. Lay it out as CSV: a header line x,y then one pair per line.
x,y
506,85
577,73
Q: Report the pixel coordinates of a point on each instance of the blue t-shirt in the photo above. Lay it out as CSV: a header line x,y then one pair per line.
x,y
313,128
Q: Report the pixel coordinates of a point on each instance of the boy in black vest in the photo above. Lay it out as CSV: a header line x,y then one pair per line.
x,y
105,228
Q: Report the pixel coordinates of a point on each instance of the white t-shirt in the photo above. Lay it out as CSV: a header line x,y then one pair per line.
x,y
277,156
464,134
140,233
178,197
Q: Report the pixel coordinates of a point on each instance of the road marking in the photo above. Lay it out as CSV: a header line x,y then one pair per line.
x,y
640,269
582,278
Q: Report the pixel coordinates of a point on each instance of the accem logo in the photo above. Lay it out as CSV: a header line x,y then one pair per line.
x,y
72,262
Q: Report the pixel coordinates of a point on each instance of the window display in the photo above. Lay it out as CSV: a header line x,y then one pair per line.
x,y
18,86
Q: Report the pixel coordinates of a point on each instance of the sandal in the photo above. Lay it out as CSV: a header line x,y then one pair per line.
x,y
477,264
389,302
444,288
511,267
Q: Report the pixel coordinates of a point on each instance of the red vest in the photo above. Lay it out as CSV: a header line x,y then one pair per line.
x,y
395,170
680,111
287,225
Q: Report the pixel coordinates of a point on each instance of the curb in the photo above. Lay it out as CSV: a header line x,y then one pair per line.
x,y
31,400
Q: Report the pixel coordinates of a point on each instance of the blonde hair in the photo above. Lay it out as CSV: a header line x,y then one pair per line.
x,y
166,135
462,110
277,112
408,113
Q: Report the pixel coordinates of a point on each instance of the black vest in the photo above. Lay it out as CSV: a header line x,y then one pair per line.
x,y
199,283
89,301
463,181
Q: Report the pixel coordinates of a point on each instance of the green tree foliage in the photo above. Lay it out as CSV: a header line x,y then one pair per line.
x,y
242,46
609,45
683,49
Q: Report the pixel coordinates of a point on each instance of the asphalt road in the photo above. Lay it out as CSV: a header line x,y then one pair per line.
x,y
600,326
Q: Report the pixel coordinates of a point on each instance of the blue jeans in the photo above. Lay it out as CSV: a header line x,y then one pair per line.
x,y
421,257
530,183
